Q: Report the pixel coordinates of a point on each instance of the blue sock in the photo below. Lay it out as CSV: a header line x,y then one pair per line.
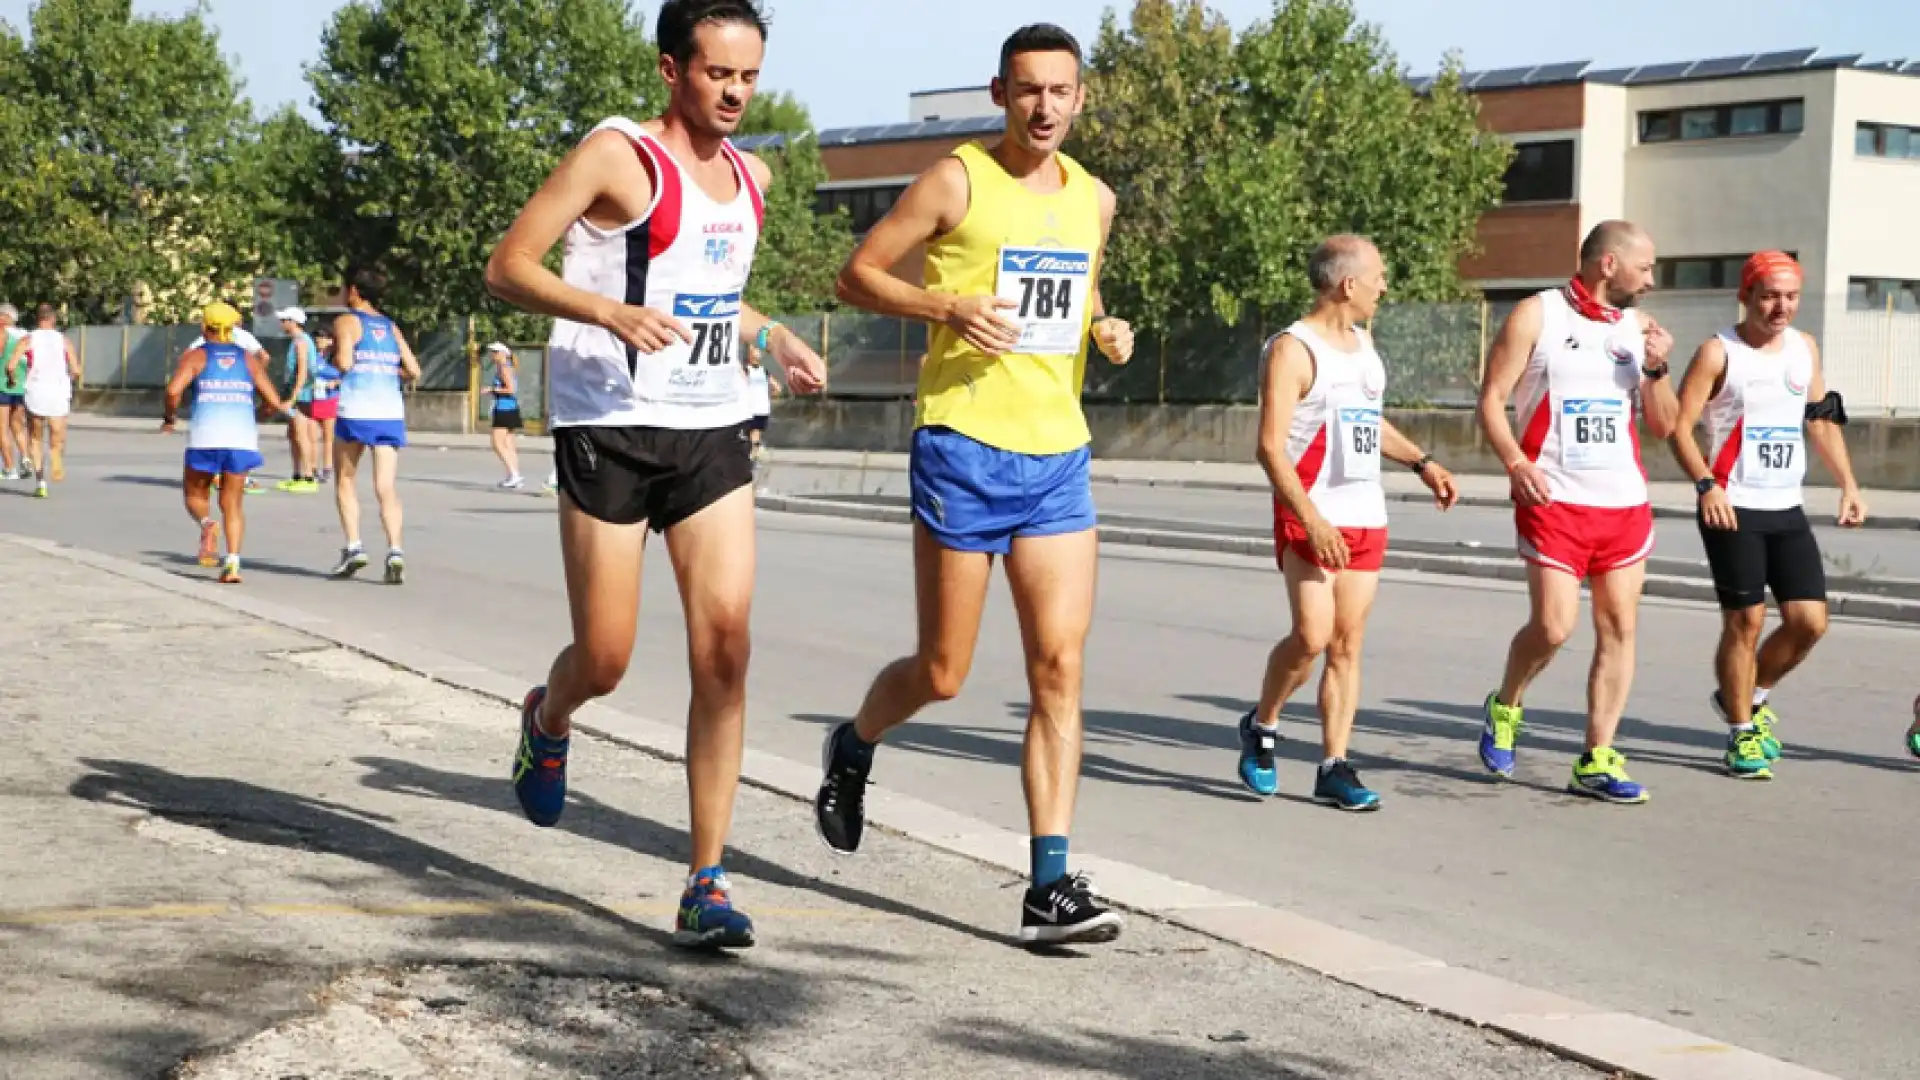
x,y
1049,855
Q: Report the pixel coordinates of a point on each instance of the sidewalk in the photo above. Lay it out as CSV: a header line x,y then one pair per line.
x,y
244,837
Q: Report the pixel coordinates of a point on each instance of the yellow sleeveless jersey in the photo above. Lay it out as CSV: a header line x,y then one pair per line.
x,y
1041,252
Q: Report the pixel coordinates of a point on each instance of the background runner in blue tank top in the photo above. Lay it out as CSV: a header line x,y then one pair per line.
x,y
222,439
505,390
373,358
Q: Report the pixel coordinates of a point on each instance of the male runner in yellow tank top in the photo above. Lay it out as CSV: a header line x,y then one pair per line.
x,y
1014,235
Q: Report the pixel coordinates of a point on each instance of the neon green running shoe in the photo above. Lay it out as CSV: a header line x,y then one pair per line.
x,y
1763,720
1747,754
1913,741
1601,773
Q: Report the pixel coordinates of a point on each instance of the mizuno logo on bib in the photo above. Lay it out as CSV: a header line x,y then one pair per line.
x,y
1048,287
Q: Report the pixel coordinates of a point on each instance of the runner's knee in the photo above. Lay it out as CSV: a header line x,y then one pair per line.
x,y
1806,621
941,677
1744,624
721,654
599,669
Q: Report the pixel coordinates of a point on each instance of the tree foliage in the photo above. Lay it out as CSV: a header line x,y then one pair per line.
x,y
800,251
1233,155
123,172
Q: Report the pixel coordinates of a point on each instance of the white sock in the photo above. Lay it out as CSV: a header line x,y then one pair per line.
x,y
1330,763
1759,695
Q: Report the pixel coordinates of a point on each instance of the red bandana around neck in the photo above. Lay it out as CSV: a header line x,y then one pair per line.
x,y
1582,301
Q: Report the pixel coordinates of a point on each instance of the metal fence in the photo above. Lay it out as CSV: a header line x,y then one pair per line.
x,y
1434,355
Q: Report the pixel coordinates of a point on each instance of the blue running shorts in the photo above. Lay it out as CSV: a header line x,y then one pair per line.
x,y
975,497
371,432
215,462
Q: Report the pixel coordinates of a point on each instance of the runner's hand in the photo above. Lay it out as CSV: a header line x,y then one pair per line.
x,y
1716,511
806,372
978,321
1530,486
1853,509
1440,482
645,329
1329,547
1114,337
1659,342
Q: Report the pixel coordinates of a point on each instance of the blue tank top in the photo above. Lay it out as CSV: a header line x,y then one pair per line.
x,y
502,402
293,365
323,372
371,389
223,402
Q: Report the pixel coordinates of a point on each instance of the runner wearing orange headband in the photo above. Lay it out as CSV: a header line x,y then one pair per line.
x,y
1763,396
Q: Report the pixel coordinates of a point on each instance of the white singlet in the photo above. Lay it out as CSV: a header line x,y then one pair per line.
x,y
688,257
49,386
759,395
1334,441
1756,423
1577,401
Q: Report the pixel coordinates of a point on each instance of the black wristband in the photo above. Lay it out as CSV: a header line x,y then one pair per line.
x,y
1421,465
1656,374
1704,485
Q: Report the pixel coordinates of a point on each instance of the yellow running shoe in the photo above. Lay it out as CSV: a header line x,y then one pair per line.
x,y
1601,773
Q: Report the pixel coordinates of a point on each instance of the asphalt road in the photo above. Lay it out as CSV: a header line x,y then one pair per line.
x,y
1778,916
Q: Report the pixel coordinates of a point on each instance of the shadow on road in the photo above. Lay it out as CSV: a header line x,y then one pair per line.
x,y
1133,1057
249,563
588,817
1001,747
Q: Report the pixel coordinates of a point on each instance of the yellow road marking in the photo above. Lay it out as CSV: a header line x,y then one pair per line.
x,y
425,909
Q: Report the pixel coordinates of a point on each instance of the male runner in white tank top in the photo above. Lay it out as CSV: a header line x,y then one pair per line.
x,y
52,371
1764,397
1586,367
1322,436
649,413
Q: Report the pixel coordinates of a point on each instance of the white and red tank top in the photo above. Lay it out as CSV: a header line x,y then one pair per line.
x,y
1577,402
1756,423
1334,441
688,257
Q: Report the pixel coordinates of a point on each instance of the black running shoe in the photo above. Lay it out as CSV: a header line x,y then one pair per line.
x,y
840,809
1065,913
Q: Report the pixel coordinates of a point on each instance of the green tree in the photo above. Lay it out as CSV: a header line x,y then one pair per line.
x,y
801,251
450,113
1233,156
775,113
119,165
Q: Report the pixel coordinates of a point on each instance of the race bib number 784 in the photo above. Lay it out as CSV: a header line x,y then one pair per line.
x,y
1048,288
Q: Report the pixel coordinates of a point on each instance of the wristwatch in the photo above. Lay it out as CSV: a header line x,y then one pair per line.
x,y
1421,465
1704,485
1655,373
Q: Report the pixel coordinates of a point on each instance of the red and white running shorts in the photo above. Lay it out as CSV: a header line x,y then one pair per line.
x,y
1585,541
1366,548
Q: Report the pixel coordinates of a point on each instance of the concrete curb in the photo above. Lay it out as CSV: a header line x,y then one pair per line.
x,y
1605,1039
1498,568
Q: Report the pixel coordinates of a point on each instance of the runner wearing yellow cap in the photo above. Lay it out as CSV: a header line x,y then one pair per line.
x,y
1764,397
222,440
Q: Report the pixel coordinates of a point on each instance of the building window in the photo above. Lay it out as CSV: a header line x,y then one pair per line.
x,y
1887,141
865,206
1541,172
1874,294
1723,121
1701,272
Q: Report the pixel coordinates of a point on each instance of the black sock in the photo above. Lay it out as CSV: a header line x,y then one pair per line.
x,y
851,749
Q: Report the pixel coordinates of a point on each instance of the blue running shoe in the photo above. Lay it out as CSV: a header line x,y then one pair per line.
x,y
1497,739
540,769
1602,774
1338,785
708,919
1256,757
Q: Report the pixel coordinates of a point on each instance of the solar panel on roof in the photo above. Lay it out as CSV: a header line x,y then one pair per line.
x,y
1610,76
1725,65
1835,61
1911,69
1781,61
1552,73
1658,73
1502,78
1422,84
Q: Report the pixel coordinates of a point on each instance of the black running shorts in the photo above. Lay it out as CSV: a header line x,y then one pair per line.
x,y
1772,549
626,475
507,420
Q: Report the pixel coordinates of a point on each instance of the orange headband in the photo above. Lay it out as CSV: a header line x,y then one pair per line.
x,y
1764,265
